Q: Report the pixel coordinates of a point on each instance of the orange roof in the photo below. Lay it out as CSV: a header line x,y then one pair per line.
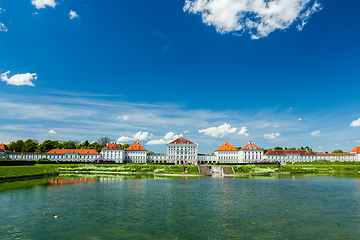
x,y
3,147
79,151
285,152
181,140
136,146
356,150
250,146
335,154
226,147
112,146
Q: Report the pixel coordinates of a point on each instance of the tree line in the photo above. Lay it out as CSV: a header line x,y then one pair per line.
x,y
32,145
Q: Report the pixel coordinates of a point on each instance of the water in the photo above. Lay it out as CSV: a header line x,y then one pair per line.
x,y
289,207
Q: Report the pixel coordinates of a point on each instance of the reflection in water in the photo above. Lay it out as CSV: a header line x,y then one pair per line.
x,y
63,181
284,207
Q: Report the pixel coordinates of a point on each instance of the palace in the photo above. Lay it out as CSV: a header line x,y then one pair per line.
x,y
182,151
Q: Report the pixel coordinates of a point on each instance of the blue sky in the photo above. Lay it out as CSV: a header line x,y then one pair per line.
x,y
285,74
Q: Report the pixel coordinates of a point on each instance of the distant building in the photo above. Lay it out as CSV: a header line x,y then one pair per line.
x,y
250,152
115,152
80,155
310,156
182,151
227,154
136,153
3,150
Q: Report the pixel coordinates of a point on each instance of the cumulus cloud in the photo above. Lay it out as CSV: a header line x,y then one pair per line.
x,y
185,131
52,132
243,131
299,119
220,131
3,28
72,14
316,133
123,117
355,123
19,79
320,147
137,136
257,17
43,3
170,136
156,142
272,135
357,141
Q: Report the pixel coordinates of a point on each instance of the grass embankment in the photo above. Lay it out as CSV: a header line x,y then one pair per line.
x,y
168,169
298,167
21,171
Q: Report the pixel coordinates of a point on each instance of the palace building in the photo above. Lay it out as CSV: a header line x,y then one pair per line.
x,y
182,151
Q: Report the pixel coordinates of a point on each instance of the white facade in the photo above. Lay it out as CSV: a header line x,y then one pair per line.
x,y
136,153
227,156
182,151
157,158
114,152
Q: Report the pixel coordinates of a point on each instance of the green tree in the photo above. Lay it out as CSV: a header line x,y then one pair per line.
x,y
151,152
95,145
17,146
278,148
69,145
104,140
338,151
46,146
30,145
125,145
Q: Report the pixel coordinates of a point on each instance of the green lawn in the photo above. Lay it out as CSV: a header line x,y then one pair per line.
x,y
309,167
169,169
20,171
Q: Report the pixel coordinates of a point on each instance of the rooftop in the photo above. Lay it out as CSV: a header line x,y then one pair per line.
x,y
250,146
136,146
112,146
79,151
226,147
181,140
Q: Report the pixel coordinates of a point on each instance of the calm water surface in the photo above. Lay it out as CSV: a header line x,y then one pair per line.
x,y
291,207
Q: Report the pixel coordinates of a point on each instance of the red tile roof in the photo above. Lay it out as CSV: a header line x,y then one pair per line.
x,y
250,146
79,151
335,154
3,148
181,140
285,152
356,150
226,147
136,146
26,153
112,146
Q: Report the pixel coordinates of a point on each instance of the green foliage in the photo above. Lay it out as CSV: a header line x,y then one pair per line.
x,y
30,146
150,152
125,145
17,146
69,145
278,148
46,146
19,171
338,151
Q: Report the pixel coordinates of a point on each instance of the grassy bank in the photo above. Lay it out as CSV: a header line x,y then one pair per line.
x,y
169,169
303,167
20,171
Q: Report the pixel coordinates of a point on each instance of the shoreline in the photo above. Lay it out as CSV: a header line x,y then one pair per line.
x,y
30,177
149,173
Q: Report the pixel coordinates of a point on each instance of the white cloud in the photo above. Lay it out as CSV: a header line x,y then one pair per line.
x,y
220,131
123,117
320,147
299,119
123,139
276,126
72,14
316,133
52,132
257,17
243,131
357,141
170,136
156,142
265,125
2,10
137,136
271,135
355,123
185,131
3,28
19,79
43,3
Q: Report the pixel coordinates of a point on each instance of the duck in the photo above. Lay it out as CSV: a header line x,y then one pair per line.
x,y
55,216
